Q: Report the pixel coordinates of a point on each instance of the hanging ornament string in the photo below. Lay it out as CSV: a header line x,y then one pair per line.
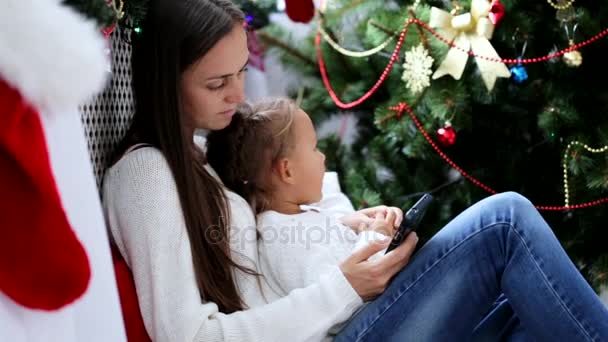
x,y
404,107
565,165
350,53
561,5
358,54
388,68
395,55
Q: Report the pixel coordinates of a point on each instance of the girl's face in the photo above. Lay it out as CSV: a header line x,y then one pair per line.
x,y
212,87
308,163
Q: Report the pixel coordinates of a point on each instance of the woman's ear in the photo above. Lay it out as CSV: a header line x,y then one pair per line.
x,y
285,172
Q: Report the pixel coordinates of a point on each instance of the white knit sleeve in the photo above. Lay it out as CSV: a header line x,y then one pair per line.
x,y
302,256
146,221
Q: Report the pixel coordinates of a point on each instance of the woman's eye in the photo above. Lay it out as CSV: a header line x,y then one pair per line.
x,y
215,86
243,71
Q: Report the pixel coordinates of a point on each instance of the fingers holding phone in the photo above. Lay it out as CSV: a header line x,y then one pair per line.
x,y
397,215
384,223
410,221
368,277
393,261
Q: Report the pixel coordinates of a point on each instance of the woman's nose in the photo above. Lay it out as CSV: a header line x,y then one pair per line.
x,y
236,93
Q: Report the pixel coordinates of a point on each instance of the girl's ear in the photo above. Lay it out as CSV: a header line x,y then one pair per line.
x,y
284,170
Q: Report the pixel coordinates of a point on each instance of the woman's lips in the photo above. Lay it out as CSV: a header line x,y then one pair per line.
x,y
229,112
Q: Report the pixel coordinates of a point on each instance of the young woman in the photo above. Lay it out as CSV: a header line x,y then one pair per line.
x,y
496,269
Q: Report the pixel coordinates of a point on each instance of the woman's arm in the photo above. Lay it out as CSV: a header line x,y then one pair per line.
x,y
146,222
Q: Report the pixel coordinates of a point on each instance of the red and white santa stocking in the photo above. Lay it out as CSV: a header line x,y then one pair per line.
x,y
49,62
42,263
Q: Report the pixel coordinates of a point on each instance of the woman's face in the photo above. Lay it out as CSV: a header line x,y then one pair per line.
x,y
212,87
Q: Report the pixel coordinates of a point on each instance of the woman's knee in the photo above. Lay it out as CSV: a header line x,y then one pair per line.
x,y
520,212
509,206
511,200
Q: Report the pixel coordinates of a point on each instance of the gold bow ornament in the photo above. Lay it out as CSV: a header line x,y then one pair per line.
x,y
470,31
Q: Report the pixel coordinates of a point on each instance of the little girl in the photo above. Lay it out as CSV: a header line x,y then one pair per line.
x,y
268,155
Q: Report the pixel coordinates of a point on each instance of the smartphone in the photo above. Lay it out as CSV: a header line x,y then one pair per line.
x,y
410,222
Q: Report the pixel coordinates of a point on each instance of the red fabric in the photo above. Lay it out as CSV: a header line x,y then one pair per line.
x,y
134,323
300,11
42,263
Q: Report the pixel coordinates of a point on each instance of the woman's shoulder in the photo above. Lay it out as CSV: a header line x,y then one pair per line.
x,y
141,203
140,160
144,169
141,175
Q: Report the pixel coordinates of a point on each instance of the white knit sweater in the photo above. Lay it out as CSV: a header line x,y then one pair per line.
x,y
298,250
145,219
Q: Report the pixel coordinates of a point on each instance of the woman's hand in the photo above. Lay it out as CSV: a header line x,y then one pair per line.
x,y
362,219
370,278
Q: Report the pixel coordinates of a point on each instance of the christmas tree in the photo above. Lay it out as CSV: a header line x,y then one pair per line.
x,y
528,114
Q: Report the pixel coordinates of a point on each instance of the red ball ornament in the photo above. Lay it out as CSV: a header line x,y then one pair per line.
x,y
300,11
107,31
497,11
446,135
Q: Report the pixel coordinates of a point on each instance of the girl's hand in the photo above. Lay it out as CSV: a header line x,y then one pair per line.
x,y
385,224
357,221
362,219
370,278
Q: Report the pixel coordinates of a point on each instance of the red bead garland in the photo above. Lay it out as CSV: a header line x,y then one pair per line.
x,y
332,93
395,54
404,107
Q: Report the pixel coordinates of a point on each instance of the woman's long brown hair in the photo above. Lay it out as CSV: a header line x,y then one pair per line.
x,y
175,34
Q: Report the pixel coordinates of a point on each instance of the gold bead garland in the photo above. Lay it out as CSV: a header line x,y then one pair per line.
x,y
565,165
359,54
562,5
350,53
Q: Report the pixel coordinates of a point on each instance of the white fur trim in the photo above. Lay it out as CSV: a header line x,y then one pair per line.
x,y
50,53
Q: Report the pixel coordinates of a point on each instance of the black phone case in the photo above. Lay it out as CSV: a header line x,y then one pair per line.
x,y
410,221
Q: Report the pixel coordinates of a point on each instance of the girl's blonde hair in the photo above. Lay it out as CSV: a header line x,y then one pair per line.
x,y
244,153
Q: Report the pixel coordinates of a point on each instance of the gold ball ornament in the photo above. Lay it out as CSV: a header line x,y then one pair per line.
x,y
573,58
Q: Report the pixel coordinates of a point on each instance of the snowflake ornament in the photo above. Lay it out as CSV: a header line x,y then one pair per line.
x,y
417,69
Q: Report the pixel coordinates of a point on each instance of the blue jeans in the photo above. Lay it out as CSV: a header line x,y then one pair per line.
x,y
495,272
